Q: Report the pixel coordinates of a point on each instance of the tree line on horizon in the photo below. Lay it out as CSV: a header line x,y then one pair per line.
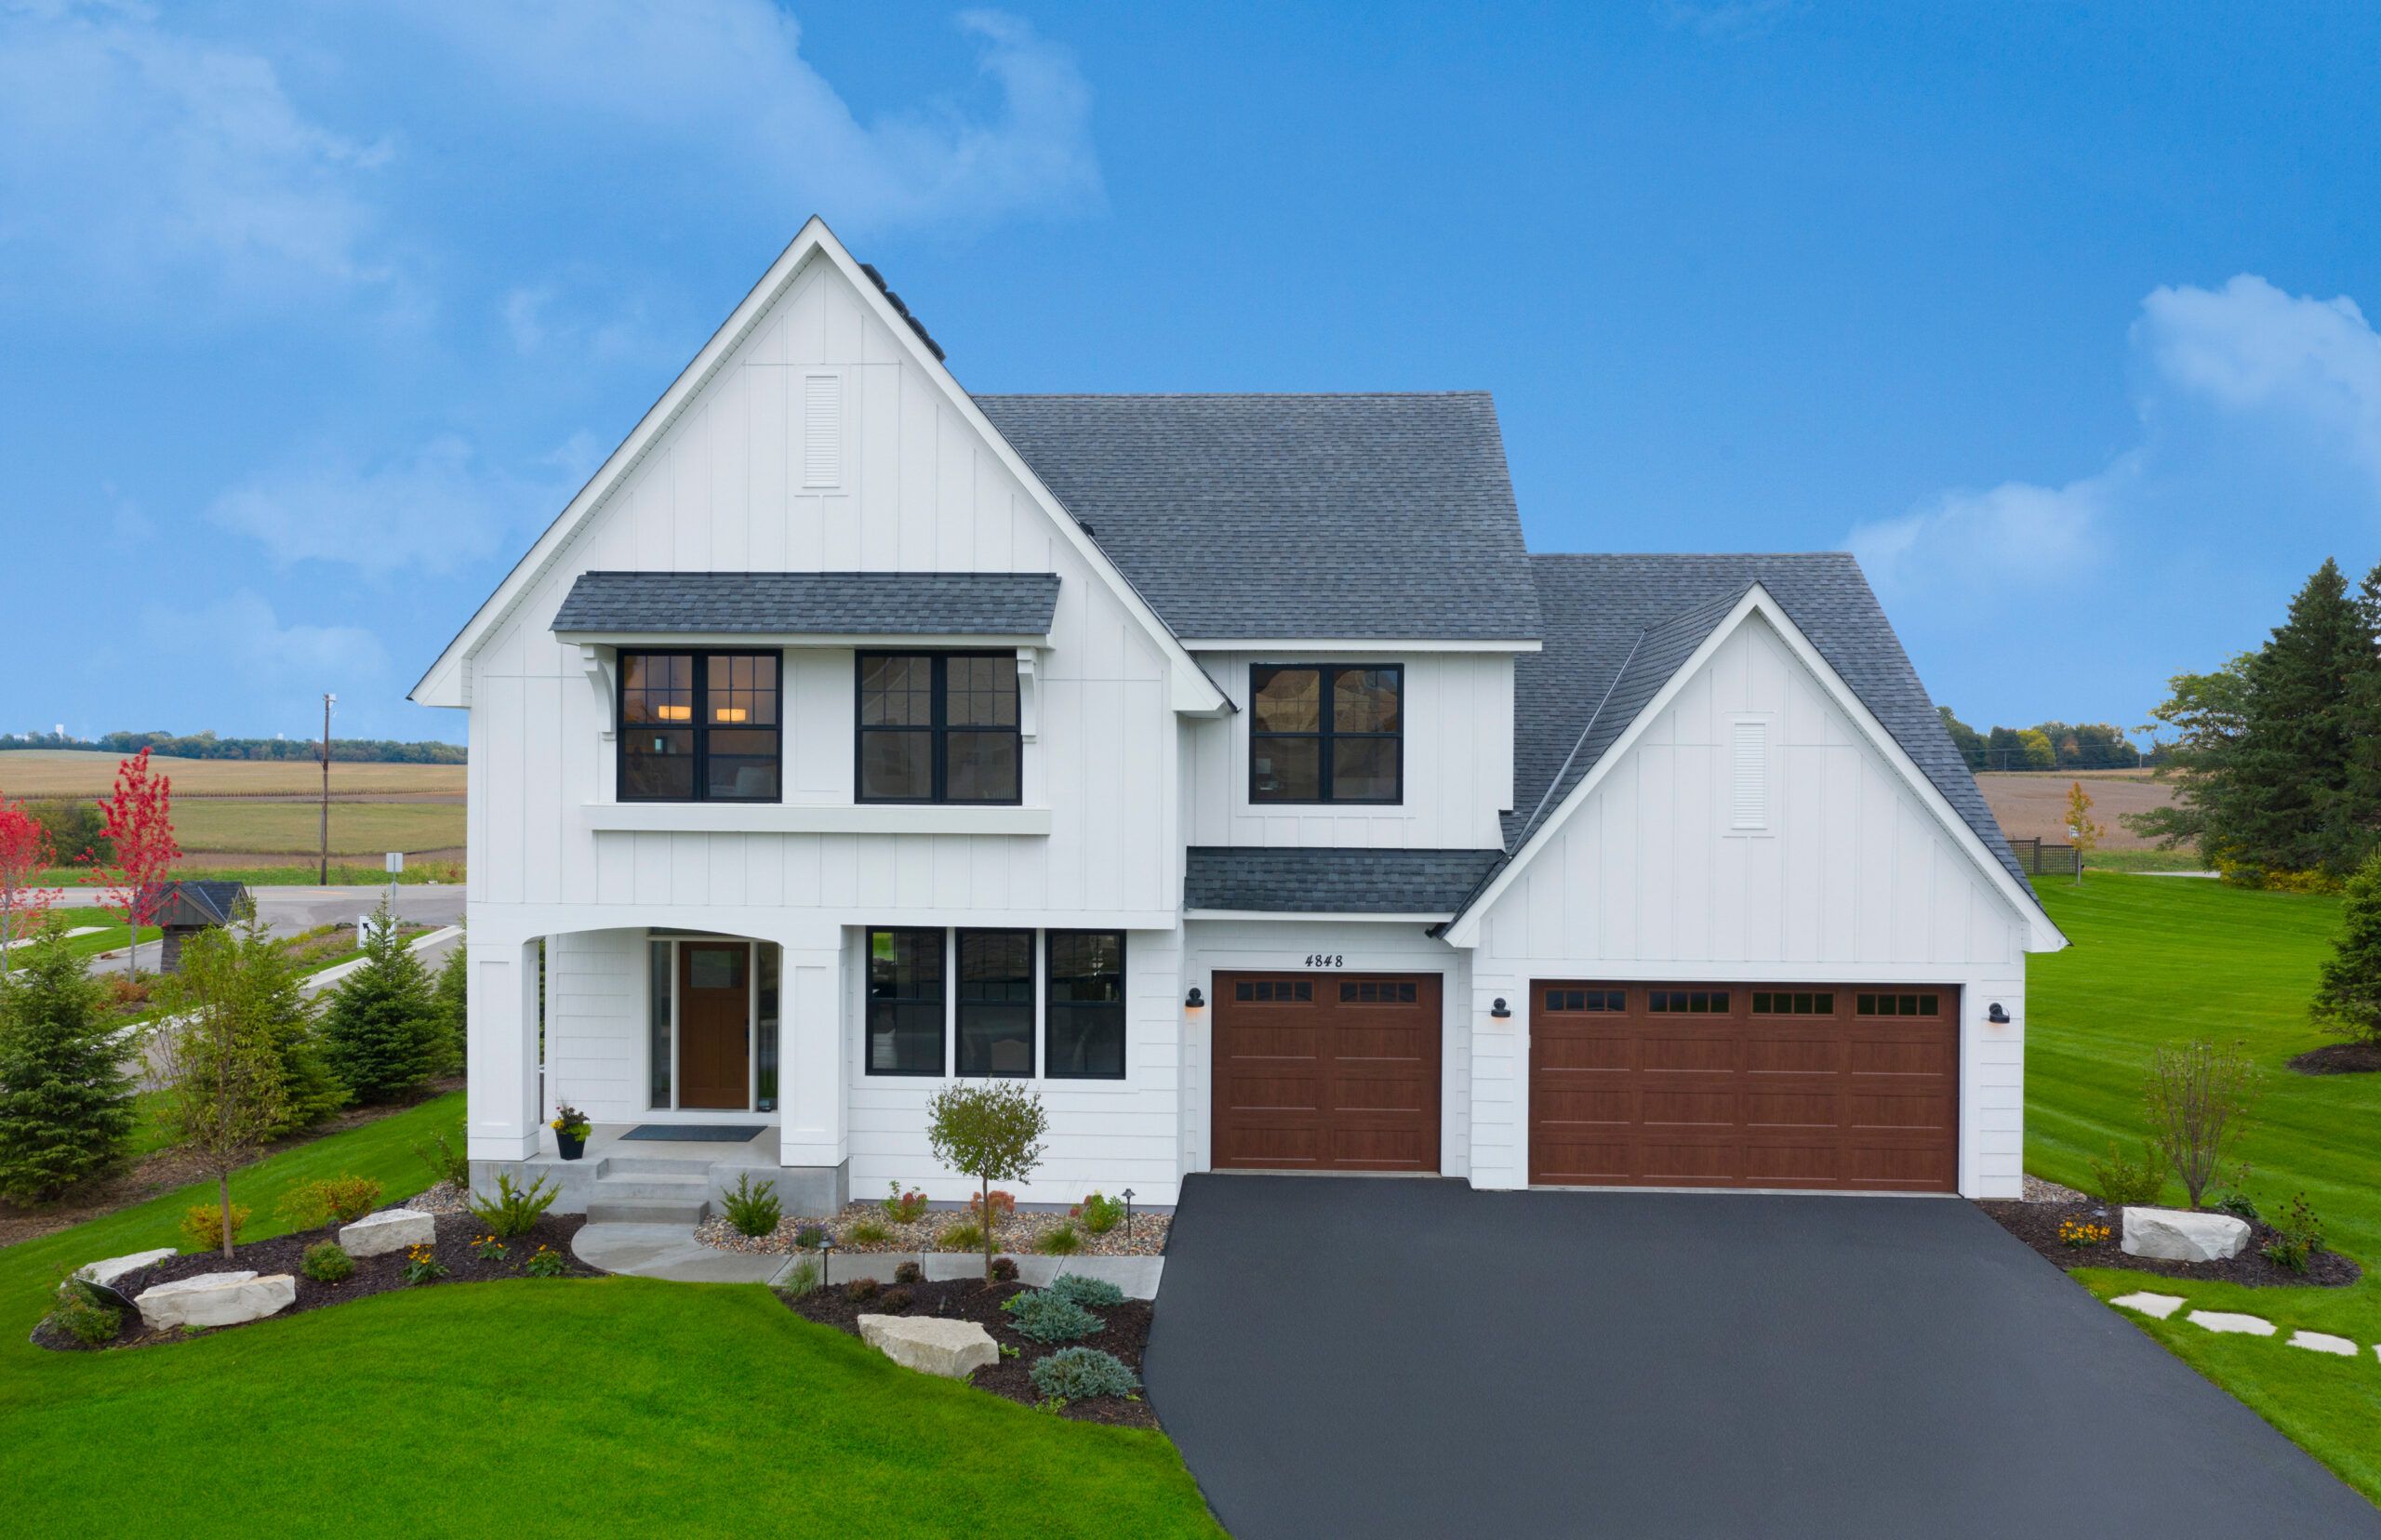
x,y
207,746
2046,745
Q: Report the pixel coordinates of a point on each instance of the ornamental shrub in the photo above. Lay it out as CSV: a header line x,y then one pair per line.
x,y
961,1235
80,1315
1003,1271
202,1225
545,1262
2124,1182
752,1210
865,1232
450,1001
1081,1374
328,1262
810,1237
1086,1291
1062,1241
894,1301
1047,1317
346,1199
1101,1214
991,1130
800,1279
909,1272
904,1207
65,1101
383,1029
2298,1235
514,1209
860,1290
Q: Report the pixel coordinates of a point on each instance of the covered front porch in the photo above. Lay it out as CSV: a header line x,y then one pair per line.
x,y
700,1058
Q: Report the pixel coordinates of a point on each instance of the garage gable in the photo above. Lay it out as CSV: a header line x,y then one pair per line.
x,y
1752,809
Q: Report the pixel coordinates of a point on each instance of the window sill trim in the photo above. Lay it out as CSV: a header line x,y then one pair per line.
x,y
696,817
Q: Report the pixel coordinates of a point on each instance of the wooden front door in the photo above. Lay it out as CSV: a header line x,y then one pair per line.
x,y
1326,1073
715,1022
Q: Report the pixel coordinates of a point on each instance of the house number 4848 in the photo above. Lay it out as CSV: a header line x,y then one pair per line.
x,y
1326,960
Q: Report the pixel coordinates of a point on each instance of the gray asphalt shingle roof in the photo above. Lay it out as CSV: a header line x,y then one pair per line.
x,y
1617,627
813,604
1322,881
1324,516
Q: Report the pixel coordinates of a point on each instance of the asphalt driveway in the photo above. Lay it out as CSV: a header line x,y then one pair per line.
x,y
1413,1358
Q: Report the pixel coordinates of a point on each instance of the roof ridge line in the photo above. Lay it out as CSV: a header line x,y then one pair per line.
x,y
1593,717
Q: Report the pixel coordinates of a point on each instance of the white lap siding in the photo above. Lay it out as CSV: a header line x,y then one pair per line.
x,y
596,1044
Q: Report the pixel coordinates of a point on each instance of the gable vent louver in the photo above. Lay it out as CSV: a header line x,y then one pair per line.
x,y
1749,799
822,430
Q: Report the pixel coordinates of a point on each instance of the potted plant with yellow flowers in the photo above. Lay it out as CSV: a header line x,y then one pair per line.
x,y
571,1128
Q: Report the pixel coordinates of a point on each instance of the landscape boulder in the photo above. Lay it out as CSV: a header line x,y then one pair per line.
x,y
215,1299
2179,1235
392,1230
101,1275
932,1345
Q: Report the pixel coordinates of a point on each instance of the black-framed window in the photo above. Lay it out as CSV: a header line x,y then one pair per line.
x,y
700,726
1084,1033
938,728
1327,733
905,978
996,1003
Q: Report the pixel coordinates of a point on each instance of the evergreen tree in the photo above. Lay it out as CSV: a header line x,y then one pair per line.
x,y
1966,739
2291,806
2348,991
382,1027
65,1099
219,1055
452,991
309,1090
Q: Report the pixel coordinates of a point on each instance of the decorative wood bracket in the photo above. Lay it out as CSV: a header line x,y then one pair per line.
x,y
1029,694
599,664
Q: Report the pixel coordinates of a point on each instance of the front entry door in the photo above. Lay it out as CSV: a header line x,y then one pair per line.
x,y
714,1018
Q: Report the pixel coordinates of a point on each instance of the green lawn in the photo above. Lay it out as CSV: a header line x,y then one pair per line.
x,y
111,935
2163,959
612,1406
2143,860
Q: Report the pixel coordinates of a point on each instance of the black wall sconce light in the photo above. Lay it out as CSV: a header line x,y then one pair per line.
x,y
1194,1002
1500,1011
1996,1015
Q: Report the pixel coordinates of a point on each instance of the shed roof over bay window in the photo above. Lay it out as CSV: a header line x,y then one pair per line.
x,y
608,605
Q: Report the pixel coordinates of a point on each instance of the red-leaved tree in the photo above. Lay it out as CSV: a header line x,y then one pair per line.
x,y
25,852
140,825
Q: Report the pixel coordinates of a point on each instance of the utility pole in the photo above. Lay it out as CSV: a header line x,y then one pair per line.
x,y
323,873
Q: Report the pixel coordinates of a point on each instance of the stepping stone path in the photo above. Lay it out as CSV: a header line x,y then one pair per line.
x,y
2160,1305
2223,1321
2323,1342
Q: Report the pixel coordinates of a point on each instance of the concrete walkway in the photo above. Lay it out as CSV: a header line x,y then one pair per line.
x,y
672,1251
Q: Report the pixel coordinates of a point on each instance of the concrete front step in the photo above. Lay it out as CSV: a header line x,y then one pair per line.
x,y
651,1165
664,1189
647,1211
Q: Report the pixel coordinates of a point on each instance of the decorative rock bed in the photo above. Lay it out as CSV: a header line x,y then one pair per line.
x,y
931,1345
388,1230
2037,1224
215,1299
1018,1234
2178,1235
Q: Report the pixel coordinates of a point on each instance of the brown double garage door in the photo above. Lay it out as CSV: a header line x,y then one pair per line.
x,y
1850,1087
1326,1071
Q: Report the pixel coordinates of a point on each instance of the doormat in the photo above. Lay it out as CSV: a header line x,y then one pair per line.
x,y
698,1133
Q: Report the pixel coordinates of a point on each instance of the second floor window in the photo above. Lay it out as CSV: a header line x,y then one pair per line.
x,y
1327,733
698,726
938,728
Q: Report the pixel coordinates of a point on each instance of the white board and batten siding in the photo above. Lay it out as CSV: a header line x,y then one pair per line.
x,y
1752,833
740,481
1458,718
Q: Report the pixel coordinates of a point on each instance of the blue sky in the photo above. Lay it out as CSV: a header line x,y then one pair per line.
x,y
311,315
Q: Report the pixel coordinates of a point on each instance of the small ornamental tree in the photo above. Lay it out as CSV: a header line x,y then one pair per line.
x,y
383,1029
2348,991
2199,1098
992,1130
25,852
2082,833
451,991
139,818
65,1097
218,1055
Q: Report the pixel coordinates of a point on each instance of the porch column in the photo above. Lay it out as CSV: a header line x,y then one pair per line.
x,y
815,1067
502,1102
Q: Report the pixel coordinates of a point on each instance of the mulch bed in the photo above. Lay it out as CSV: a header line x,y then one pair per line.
x,y
373,1274
1125,1335
2339,1058
2037,1226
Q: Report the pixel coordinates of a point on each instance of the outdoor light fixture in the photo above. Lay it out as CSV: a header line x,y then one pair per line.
x,y
1996,1015
1501,1011
1193,1002
1128,1201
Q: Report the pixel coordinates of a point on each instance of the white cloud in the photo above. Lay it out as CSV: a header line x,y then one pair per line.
x,y
2243,392
133,151
435,509
240,635
723,82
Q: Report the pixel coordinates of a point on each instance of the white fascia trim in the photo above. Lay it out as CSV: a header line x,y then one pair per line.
x,y
1317,645
800,639
2042,935
723,817
443,684
1319,917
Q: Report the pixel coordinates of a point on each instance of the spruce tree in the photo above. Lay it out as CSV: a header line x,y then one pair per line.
x,y
309,1090
65,1097
2348,991
452,989
383,1029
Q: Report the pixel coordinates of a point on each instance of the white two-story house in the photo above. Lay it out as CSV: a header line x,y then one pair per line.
x,y
1224,767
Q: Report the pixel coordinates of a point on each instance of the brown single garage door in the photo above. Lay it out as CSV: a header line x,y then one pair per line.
x,y
1326,1071
1847,1086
